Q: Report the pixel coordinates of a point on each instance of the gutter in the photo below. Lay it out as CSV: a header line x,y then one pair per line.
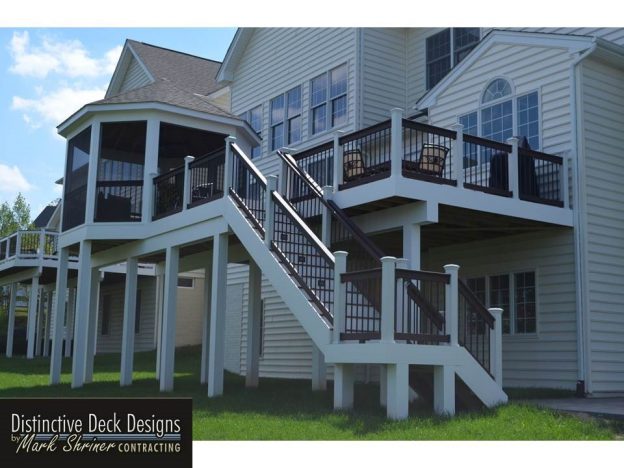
x,y
580,235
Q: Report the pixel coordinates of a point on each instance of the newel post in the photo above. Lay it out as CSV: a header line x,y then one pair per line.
x,y
457,155
340,290
326,216
388,296
18,244
452,303
338,160
512,167
42,239
396,142
269,209
565,185
228,166
186,195
496,345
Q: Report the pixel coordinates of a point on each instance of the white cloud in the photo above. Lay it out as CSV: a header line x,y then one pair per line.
x,y
12,180
64,57
55,106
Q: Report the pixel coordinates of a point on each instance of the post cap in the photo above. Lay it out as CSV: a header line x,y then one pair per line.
x,y
328,191
496,311
451,267
388,259
272,182
230,139
396,110
514,140
189,159
458,127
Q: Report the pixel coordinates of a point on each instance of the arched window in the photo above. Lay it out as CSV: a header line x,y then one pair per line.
x,y
497,89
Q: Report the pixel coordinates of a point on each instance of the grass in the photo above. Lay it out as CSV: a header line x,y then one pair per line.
x,y
289,410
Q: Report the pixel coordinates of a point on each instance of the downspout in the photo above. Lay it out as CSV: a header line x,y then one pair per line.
x,y
580,237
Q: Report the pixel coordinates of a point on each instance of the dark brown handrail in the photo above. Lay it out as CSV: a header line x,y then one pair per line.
x,y
316,149
487,143
248,164
541,156
430,129
417,275
364,132
168,174
219,153
475,303
119,183
360,275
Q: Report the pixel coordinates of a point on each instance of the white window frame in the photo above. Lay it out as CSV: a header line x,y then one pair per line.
x,y
192,286
328,103
286,118
246,116
452,52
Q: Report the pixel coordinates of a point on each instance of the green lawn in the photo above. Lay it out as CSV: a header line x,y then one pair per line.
x,y
281,409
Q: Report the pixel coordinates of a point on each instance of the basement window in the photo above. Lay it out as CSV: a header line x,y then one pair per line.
x,y
185,282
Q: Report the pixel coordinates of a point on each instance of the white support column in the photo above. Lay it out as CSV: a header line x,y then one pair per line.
x,y
160,294
397,391
31,325
396,142
444,390
388,296
383,385
48,323
18,244
11,320
496,345
565,182
40,322
513,167
282,179
206,321
71,310
411,245
167,353
228,167
60,296
340,294
81,326
186,195
254,304
92,172
129,316
319,369
457,155
452,303
94,303
269,209
42,239
150,169
344,379
217,315
338,161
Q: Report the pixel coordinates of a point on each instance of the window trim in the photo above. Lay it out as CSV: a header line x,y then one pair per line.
x,y
511,273
286,118
192,286
452,53
328,102
246,116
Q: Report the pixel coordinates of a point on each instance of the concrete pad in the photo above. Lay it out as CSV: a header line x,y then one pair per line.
x,y
602,407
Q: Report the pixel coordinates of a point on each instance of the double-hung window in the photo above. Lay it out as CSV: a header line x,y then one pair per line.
x,y
254,118
285,118
446,49
328,100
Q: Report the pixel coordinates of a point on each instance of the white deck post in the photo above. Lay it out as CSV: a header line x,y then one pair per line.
x,y
565,182
411,245
388,290
513,167
457,155
383,385
92,172
42,238
338,161
496,345
186,195
396,142
40,322
253,325
217,315
18,244
32,318
326,217
397,389
340,290
228,166
167,353
452,304
48,323
71,309
203,378
269,209
444,390
94,303
60,296
129,316
11,320
160,295
81,326
319,369
282,180
150,170
344,380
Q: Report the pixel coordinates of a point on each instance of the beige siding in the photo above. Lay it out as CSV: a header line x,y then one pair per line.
x,y
135,77
603,116
548,358
189,319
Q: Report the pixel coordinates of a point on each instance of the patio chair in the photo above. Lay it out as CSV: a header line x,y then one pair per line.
x,y
432,159
353,165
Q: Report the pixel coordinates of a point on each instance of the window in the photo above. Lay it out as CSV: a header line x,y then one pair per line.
x,y
328,100
286,118
185,282
137,313
106,314
277,122
446,49
519,308
497,89
254,119
528,118
75,184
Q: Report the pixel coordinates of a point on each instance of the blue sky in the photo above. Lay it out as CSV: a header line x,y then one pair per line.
x,y
47,74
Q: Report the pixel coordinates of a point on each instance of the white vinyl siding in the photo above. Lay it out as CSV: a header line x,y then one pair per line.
x,y
610,34
233,318
603,125
547,358
134,78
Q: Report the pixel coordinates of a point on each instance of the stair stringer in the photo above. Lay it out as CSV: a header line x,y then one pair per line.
x,y
478,380
315,326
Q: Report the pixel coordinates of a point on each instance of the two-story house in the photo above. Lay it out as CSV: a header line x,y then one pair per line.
x,y
405,205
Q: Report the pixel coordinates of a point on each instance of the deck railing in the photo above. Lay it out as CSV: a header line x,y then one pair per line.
x,y
428,152
475,325
30,244
118,200
206,178
168,193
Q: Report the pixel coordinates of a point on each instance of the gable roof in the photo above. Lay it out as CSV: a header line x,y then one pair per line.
x,y
43,218
572,43
234,54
